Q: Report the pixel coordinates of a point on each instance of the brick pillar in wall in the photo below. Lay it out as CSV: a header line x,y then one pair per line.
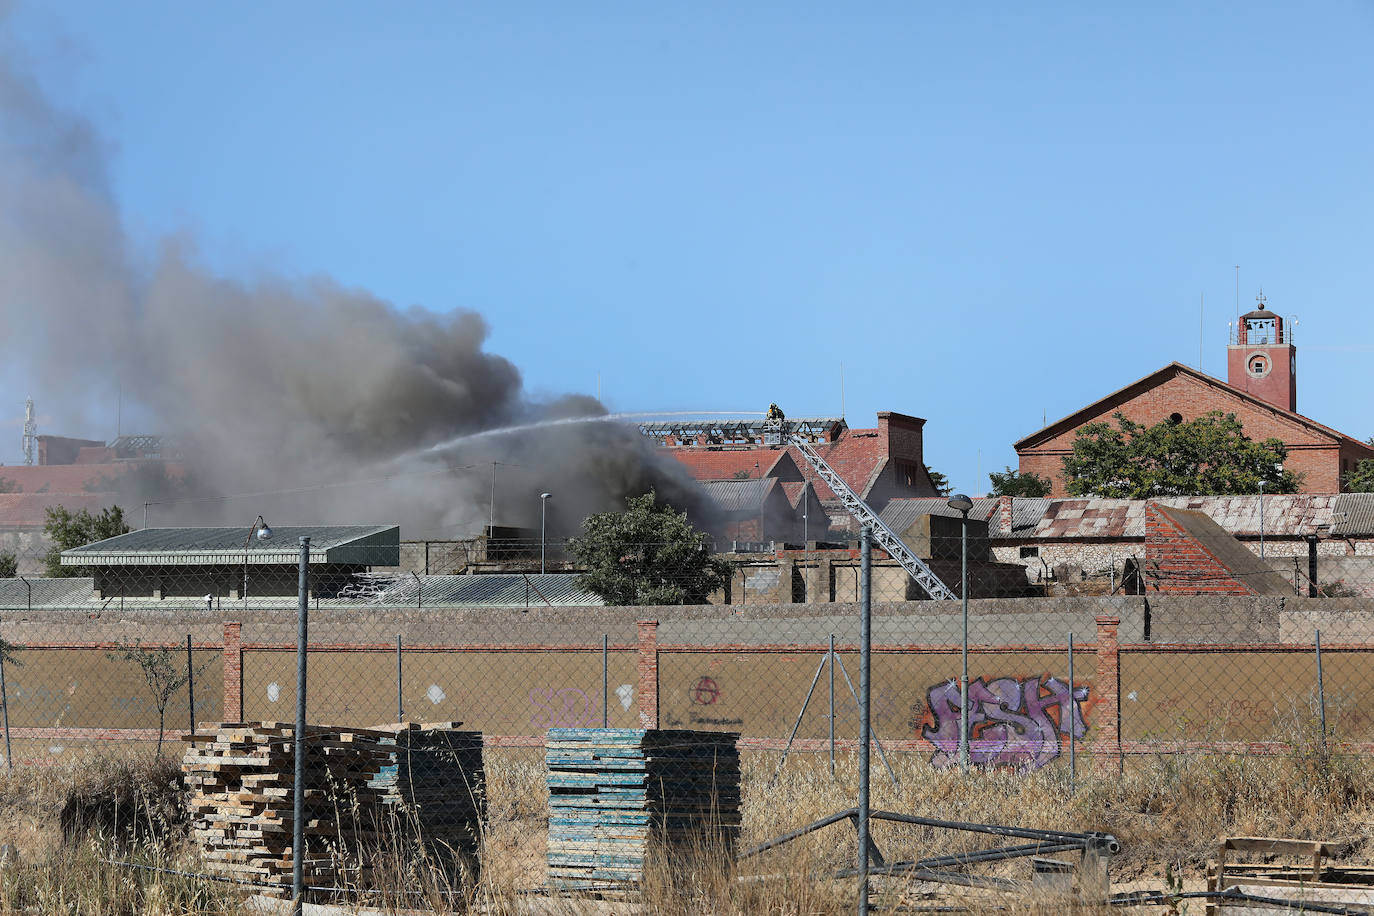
x,y
233,671
1004,514
1105,735
648,673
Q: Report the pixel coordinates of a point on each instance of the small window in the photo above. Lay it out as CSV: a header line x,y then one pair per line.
x,y
1030,552
1175,418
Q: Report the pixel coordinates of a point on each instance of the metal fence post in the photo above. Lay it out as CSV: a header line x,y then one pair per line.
x,y
298,790
605,679
400,706
1068,711
831,660
1321,688
5,709
865,691
190,692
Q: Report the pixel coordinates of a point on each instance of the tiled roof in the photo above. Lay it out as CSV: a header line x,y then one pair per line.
x,y
64,478
29,510
1353,515
795,490
739,495
852,456
1284,516
725,464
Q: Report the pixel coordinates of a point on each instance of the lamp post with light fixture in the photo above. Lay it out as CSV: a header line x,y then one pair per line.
x,y
962,504
543,538
262,531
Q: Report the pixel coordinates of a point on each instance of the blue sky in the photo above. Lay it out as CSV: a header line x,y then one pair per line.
x,y
987,213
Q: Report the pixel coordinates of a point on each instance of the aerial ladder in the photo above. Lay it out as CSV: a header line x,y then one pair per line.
x,y
884,536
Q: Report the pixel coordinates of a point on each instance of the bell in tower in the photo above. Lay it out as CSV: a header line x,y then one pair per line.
x,y
1261,359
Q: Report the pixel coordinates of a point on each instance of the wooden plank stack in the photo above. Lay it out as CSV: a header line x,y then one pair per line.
x,y
435,787
363,787
241,778
617,793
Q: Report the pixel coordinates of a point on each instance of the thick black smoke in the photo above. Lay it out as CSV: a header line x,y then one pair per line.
x,y
271,383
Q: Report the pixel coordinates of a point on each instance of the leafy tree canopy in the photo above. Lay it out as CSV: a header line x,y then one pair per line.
x,y
648,554
1207,456
1012,482
1361,478
941,482
69,529
9,565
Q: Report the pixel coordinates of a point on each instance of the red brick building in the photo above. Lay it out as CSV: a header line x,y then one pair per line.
x,y
1261,390
879,464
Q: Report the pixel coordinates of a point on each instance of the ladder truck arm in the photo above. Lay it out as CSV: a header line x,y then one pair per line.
x,y
884,536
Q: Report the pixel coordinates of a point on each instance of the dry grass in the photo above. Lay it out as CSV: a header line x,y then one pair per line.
x,y
1167,811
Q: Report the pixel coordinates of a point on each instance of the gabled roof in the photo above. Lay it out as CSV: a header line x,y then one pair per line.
x,y
852,457
367,545
1139,386
1238,559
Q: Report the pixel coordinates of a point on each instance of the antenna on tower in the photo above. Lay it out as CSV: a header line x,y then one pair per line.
x,y
30,431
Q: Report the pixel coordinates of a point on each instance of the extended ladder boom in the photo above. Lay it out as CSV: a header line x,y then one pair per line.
x,y
885,537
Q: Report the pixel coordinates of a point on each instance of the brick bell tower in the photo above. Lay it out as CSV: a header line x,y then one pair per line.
x,y
1261,359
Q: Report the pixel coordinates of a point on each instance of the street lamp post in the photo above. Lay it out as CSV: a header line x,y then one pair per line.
x,y
962,504
543,539
263,532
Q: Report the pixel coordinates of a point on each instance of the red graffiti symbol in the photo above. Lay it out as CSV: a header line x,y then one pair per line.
x,y
705,692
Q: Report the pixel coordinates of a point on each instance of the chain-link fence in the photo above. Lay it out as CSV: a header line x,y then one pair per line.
x,y
437,700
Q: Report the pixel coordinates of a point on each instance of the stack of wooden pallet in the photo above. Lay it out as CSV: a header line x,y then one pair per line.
x,y
615,793
240,778
434,785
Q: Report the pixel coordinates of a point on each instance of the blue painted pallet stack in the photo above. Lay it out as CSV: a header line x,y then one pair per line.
x,y
435,788
615,792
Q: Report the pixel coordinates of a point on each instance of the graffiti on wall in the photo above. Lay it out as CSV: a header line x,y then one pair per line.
x,y
569,707
1017,722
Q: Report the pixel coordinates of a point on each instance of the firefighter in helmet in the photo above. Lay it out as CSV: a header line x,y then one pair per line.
x,y
775,412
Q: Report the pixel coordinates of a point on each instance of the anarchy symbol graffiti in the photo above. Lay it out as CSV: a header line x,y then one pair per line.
x,y
704,692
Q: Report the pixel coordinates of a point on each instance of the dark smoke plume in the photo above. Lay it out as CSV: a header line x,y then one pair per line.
x,y
273,383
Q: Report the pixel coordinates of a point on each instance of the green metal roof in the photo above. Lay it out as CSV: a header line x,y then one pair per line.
x,y
365,545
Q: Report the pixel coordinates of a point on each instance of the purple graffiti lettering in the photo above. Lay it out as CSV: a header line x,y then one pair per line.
x,y
1011,722
566,708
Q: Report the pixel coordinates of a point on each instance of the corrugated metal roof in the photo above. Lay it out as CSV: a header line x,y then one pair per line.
x,y
739,495
1026,513
14,592
197,546
901,514
490,590
1353,515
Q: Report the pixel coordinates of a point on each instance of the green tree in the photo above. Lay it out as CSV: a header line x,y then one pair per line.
x,y
1361,478
77,529
9,565
161,672
648,554
940,481
8,485
1013,483
1208,456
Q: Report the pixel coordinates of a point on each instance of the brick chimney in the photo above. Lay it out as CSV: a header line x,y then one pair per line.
x,y
1004,513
